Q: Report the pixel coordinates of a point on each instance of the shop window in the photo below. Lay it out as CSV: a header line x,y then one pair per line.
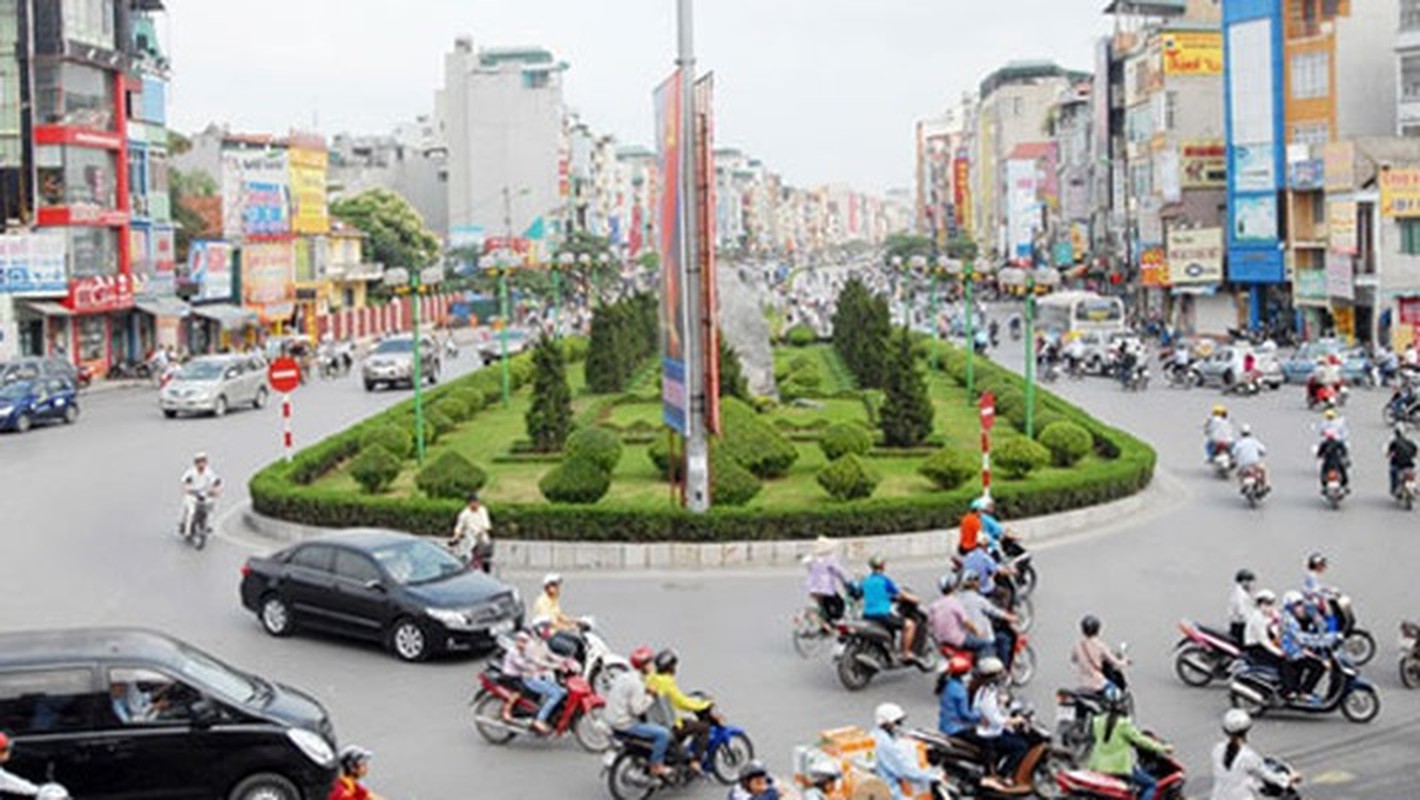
x,y
1410,237
73,94
1409,15
1311,75
1311,133
92,251
76,176
93,338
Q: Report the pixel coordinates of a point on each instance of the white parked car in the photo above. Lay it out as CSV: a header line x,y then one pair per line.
x,y
214,385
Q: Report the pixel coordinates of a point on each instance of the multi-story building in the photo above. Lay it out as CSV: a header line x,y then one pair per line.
x,y
408,162
501,117
939,142
1407,68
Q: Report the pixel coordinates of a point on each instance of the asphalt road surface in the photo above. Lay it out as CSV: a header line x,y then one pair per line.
x,y
90,509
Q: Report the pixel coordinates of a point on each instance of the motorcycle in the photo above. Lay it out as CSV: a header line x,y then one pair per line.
x,y
1324,396
1406,489
866,648
1340,618
1222,460
199,528
578,713
1013,555
969,770
1252,486
334,365
812,634
130,369
1051,373
1409,654
1098,786
1403,406
1076,709
1137,379
1278,779
1021,665
1257,689
1204,654
1333,491
1181,377
600,665
1248,386
627,764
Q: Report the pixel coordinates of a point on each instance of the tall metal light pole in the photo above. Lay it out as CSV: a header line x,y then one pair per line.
x,y
1030,354
697,449
405,282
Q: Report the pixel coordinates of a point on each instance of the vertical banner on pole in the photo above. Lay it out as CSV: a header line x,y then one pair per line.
x,y
705,223
669,141
988,419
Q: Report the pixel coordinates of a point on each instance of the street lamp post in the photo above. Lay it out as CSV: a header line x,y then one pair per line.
x,y
564,261
1030,354
502,263
405,282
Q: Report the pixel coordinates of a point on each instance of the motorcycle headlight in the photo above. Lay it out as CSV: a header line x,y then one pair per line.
x,y
312,745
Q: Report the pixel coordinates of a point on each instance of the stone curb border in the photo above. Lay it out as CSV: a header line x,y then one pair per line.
x,y
516,555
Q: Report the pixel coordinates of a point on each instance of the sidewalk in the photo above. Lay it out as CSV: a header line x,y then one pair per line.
x,y
1162,495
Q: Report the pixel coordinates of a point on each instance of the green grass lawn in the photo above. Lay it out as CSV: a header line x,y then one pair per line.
x,y
492,433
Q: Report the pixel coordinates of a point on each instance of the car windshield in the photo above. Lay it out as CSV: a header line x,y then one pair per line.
x,y
219,679
202,371
416,561
395,346
16,390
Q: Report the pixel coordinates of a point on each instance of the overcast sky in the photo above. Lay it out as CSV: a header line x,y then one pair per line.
x,y
821,90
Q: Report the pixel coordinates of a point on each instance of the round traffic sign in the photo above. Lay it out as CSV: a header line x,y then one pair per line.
x,y
284,374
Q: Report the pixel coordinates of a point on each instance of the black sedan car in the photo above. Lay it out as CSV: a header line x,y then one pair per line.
x,y
383,586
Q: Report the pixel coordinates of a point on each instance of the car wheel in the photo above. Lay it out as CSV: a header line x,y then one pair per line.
x,y
409,640
369,386
169,413
71,414
219,408
265,786
260,400
23,423
276,616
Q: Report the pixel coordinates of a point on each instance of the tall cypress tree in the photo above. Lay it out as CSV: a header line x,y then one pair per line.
x,y
906,414
549,419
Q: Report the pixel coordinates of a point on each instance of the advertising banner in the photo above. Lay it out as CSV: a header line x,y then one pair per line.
x,y
1254,219
705,238
1195,256
1193,52
1307,174
1079,240
669,141
1341,226
1169,175
1203,164
1256,166
266,273
1340,281
1400,193
209,266
94,294
305,271
255,194
1153,267
309,161
33,264
1309,284
1023,207
1339,166
961,189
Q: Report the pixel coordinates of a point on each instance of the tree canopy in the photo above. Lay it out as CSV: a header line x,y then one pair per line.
x,y
395,234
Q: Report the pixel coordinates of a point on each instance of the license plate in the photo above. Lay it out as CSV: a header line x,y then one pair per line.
x,y
506,626
1064,713
1406,644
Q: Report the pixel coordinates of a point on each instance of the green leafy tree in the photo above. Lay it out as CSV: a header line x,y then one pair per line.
x,y
732,375
906,414
905,246
549,419
861,327
396,235
624,335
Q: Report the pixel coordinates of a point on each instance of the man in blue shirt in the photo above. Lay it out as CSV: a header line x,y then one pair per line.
x,y
980,562
890,762
879,595
990,525
1302,669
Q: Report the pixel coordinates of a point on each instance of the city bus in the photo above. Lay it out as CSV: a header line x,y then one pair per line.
x,y
1079,312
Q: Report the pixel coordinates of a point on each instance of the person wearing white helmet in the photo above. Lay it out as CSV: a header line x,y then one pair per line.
x,y
9,783
565,632
199,482
998,730
1259,635
822,774
892,762
1239,773
354,764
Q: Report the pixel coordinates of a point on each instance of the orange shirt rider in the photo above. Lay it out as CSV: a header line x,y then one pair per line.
x,y
970,529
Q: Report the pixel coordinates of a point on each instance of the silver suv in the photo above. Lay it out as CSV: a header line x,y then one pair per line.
x,y
215,384
392,362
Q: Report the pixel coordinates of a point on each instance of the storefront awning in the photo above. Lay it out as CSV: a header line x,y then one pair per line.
x,y
48,309
227,315
163,306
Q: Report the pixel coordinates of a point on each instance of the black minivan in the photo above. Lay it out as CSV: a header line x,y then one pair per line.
x,y
128,713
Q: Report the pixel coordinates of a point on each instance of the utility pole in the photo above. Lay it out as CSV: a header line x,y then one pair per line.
x,y
697,450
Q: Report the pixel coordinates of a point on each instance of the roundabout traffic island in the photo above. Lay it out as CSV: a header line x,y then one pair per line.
x,y
816,463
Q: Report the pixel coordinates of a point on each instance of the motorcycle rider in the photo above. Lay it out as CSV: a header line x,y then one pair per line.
x,y
694,725
1217,430
11,783
1128,359
956,717
984,614
530,661
1332,420
1239,772
826,577
629,698
1074,353
1301,669
1096,665
890,762
1181,360
1248,452
1326,375
950,624
969,529
1240,604
1260,645
354,765
198,482
822,774
991,526
755,783
1333,456
997,729
565,632
879,595
1400,453
1115,740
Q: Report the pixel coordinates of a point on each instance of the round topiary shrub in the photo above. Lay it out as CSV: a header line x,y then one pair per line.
x,y
947,468
436,424
849,478
1067,442
1018,457
575,480
800,335
375,468
454,408
394,439
755,443
843,438
730,483
472,398
450,475
599,444
659,451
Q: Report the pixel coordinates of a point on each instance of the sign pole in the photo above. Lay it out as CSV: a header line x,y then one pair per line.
x,y
284,375
988,418
503,332
1030,355
970,331
286,438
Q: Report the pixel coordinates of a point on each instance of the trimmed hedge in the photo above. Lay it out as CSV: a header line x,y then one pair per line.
x,y
947,468
756,444
844,438
375,468
597,444
1067,442
800,335
730,483
1019,457
849,478
575,480
450,475
393,438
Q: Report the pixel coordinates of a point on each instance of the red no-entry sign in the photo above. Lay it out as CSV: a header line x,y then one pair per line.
x,y
988,410
284,374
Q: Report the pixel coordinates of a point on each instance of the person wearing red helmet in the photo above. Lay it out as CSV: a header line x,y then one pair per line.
x,y
955,716
12,784
627,702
